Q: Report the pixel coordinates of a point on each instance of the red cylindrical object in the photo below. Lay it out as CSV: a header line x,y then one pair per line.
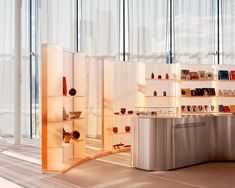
x,y
64,86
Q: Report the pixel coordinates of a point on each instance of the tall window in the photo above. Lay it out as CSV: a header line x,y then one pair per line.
x,y
7,65
148,21
194,31
100,27
228,31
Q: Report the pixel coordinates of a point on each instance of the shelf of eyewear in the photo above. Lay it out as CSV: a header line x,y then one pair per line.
x,y
156,111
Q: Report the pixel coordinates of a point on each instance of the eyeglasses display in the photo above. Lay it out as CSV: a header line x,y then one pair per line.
x,y
156,111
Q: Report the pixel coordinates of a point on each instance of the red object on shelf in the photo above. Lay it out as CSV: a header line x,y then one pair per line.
x,y
115,129
167,76
123,111
226,109
64,86
232,75
127,128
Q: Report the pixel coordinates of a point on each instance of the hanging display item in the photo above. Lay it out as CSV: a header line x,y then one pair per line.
x,y
64,86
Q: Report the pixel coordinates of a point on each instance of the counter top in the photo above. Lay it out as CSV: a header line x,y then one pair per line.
x,y
165,116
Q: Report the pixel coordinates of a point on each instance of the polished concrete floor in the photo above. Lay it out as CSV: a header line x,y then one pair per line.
x,y
20,167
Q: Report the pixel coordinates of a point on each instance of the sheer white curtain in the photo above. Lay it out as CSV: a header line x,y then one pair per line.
x,y
7,67
194,31
228,24
148,29
100,27
99,37
57,22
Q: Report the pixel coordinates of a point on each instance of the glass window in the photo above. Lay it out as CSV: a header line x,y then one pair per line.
x,y
148,29
228,21
194,31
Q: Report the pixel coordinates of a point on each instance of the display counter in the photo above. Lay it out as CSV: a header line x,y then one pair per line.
x,y
164,143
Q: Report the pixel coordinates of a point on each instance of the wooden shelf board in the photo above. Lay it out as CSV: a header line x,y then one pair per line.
x,y
76,96
79,140
65,120
226,96
216,80
198,96
155,79
119,133
182,80
196,113
123,114
122,149
147,96
207,96
226,80
60,147
212,113
73,119
55,96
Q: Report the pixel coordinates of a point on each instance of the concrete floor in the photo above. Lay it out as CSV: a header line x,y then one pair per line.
x,y
20,166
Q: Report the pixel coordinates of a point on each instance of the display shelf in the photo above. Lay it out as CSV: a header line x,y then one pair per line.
x,y
225,96
59,147
119,92
198,96
119,133
206,113
123,115
149,96
177,84
181,80
70,120
226,80
123,149
78,96
197,113
155,79
207,80
59,70
55,96
79,140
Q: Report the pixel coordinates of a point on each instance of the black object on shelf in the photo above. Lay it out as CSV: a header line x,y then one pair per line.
x,y
72,92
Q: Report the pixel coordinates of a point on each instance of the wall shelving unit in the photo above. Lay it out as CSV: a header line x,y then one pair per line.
x,y
174,84
58,156
119,92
